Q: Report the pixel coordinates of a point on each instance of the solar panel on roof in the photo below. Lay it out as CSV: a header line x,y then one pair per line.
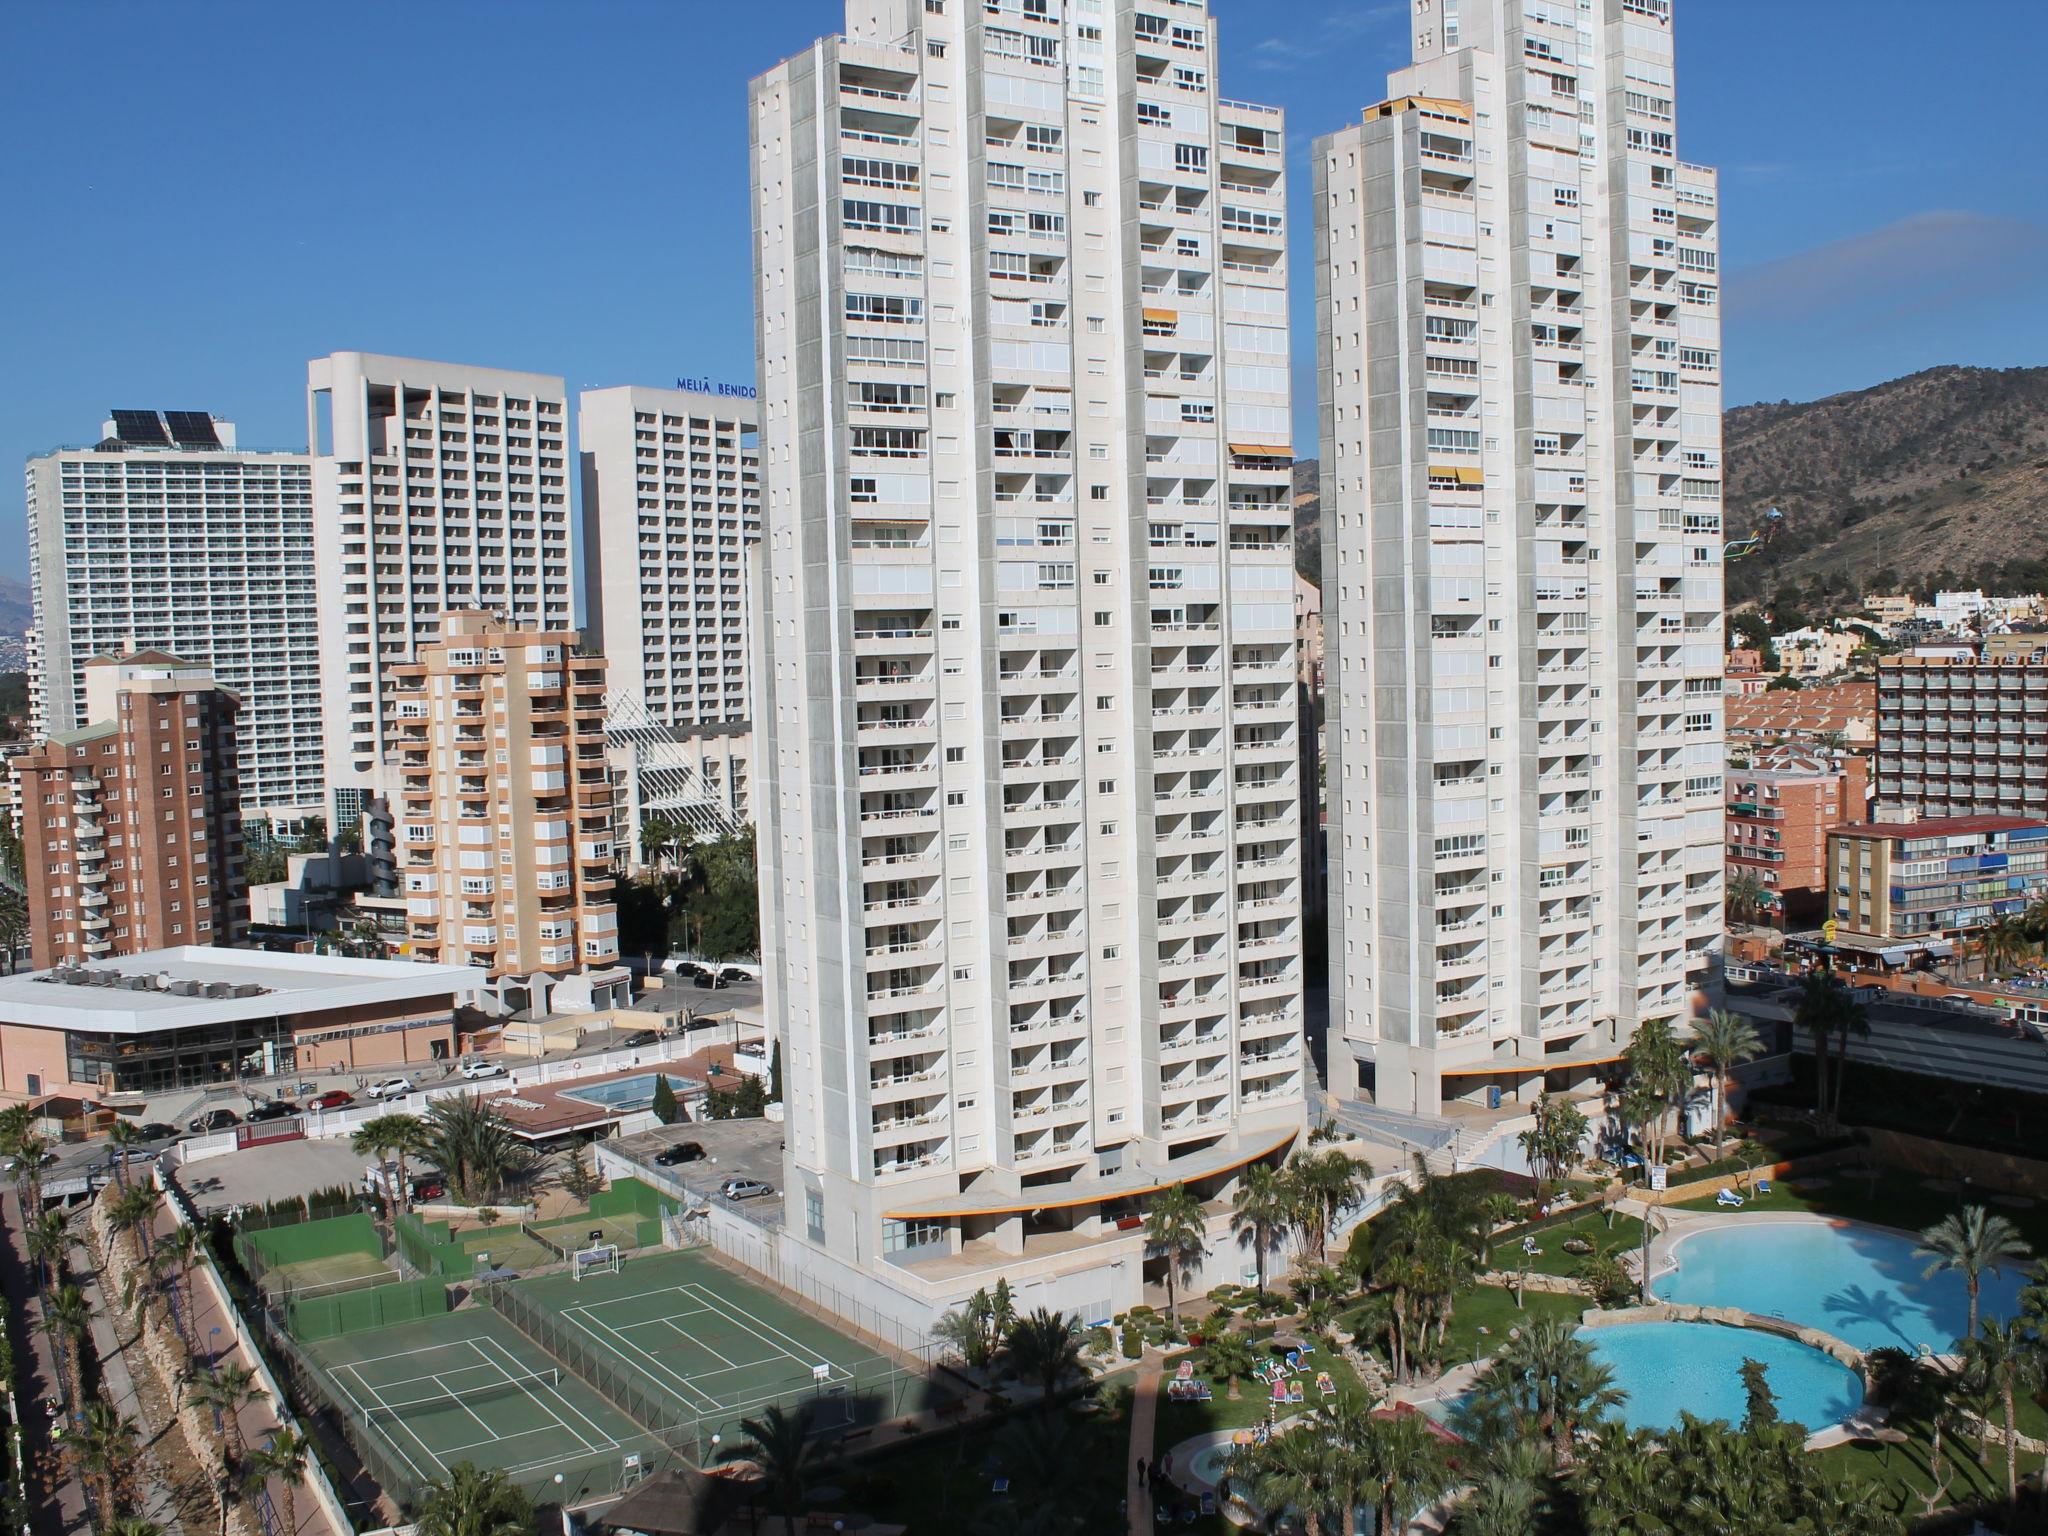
x,y
140,427
192,429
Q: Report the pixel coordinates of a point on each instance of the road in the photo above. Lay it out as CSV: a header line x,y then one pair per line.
x,y
61,1511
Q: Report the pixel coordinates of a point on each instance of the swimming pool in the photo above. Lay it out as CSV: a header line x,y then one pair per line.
x,y
1697,1367
1862,1284
620,1093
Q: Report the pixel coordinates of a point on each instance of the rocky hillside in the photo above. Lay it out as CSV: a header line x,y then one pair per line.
x,y
1936,479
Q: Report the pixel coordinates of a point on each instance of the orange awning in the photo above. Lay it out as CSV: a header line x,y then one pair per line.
x,y
1519,1064
1170,316
1260,451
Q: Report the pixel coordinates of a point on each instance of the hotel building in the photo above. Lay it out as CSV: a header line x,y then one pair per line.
x,y
163,535
1027,723
1519,343
435,487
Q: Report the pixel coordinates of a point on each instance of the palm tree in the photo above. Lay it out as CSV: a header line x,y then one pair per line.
x,y
1046,1345
134,1525
1724,1041
1825,1010
1261,1207
1290,1471
14,932
1659,1078
2005,946
227,1390
134,1212
49,1238
1402,1457
1973,1244
398,1137
784,1456
1177,1230
283,1460
1996,1359
473,1145
122,1135
1548,1373
176,1255
1746,896
1619,1481
1325,1183
67,1318
474,1502
1229,1354
107,1447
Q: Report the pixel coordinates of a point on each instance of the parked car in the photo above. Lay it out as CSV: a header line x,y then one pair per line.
x,y
391,1088
333,1098
734,973
44,1161
474,1067
213,1120
641,1037
276,1109
681,1152
745,1189
157,1130
133,1154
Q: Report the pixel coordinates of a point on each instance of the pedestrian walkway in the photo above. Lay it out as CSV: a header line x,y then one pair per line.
x,y
62,1509
117,1385
1144,1424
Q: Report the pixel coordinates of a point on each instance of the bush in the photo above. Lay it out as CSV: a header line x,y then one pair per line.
x,y
1134,1344
1100,1341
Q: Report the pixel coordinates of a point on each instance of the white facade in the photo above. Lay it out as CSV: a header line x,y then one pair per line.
x,y
671,510
435,486
1519,343
1027,767
205,552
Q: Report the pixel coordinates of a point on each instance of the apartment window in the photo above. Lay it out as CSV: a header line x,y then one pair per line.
x,y
814,1200
1098,493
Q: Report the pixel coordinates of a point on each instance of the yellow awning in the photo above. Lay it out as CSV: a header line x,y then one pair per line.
x,y
1463,474
1260,451
1170,316
1471,476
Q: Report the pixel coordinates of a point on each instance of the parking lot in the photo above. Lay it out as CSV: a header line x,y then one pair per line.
x,y
276,1170
733,1149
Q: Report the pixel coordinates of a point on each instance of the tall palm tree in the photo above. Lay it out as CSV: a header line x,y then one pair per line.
x,y
471,1501
1659,1079
1618,1481
1046,1345
1547,1372
397,1137
134,1525
49,1239
1827,1012
1290,1471
1229,1354
1724,1041
227,1390
1996,1360
282,1460
108,1447
474,1147
1177,1230
134,1212
785,1457
67,1319
1325,1183
1405,1461
122,1135
177,1254
1745,895
2005,946
1973,1244
1261,1208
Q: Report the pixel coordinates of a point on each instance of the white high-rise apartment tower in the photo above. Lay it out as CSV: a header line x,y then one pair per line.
x,y
1027,759
1519,344
435,486
163,535
671,510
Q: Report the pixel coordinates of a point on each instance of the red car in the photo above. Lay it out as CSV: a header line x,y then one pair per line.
x,y
333,1098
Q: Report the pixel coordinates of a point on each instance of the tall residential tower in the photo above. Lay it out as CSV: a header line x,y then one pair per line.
x,y
164,535
1519,344
435,486
1027,774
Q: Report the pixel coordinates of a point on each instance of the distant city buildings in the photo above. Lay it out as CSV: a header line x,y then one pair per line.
x,y
1518,325
131,823
1959,736
1780,811
1906,888
163,534
505,807
1836,715
436,487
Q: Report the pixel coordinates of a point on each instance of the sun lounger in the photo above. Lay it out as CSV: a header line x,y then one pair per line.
x,y
1294,1392
1763,1186
1324,1385
1185,1371
1294,1360
1728,1198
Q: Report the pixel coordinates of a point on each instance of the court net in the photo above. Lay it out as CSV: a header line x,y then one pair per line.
x,y
393,1410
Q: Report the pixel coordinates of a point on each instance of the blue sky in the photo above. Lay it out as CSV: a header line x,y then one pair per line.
x,y
207,194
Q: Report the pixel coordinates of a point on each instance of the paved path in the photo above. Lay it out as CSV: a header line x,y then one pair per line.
x,y
117,1385
60,1510
1144,1422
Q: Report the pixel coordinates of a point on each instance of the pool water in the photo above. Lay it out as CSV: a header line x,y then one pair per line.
x,y
1697,1368
1861,1284
620,1093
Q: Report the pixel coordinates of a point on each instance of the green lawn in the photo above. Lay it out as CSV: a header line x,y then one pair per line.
x,y
1178,1420
1493,1309
1625,1234
1892,1200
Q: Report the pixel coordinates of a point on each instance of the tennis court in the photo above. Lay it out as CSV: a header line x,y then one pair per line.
x,y
336,1272
709,1343
467,1387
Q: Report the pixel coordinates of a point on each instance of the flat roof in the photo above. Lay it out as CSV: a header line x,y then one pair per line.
x,y
290,984
1939,826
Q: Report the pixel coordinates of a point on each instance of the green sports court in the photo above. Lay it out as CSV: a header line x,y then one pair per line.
x,y
466,1386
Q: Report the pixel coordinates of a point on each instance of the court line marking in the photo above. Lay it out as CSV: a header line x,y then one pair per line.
x,y
684,1333
363,1413
762,1330
606,1442
655,1368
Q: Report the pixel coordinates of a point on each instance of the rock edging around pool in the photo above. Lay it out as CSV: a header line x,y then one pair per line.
x,y
1732,1317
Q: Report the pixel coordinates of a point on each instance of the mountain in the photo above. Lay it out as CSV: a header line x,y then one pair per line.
x,y
1938,479
16,607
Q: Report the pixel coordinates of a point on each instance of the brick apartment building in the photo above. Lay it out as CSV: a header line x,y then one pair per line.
x,y
1963,737
131,825
1780,811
